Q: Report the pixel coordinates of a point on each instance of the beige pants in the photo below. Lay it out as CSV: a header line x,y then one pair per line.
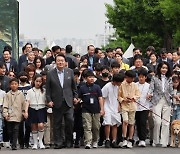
x,y
48,132
91,125
164,111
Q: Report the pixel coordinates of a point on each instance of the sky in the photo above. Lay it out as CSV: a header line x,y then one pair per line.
x,y
56,19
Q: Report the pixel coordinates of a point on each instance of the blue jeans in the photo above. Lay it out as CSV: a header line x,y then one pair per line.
x,y
176,113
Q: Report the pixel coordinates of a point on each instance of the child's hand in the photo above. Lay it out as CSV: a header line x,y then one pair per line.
x,y
102,112
25,114
7,118
127,100
51,104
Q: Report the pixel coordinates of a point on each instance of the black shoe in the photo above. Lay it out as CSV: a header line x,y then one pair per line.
x,y
100,143
21,146
151,142
107,144
14,148
114,145
77,144
58,146
27,146
68,145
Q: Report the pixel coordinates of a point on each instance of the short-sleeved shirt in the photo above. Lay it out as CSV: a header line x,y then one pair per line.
x,y
36,98
110,94
90,97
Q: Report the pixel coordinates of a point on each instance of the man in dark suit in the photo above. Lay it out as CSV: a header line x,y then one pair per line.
x,y
90,56
10,63
61,91
163,57
27,48
30,60
137,51
55,50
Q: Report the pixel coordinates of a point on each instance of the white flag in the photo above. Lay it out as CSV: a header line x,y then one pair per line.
x,y
129,52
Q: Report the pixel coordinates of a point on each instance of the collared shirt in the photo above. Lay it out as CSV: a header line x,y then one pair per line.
x,y
61,77
89,95
163,79
128,90
7,64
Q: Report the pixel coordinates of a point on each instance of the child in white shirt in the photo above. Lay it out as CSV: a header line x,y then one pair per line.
x,y
112,117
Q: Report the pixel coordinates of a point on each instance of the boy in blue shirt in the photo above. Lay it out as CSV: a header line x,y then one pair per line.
x,y
92,109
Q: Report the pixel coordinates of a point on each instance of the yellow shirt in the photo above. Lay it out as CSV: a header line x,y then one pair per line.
x,y
128,90
124,66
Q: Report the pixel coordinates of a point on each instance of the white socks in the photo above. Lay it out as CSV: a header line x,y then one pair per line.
x,y
35,135
41,134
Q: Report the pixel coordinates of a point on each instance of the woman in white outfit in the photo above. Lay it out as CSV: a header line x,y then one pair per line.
x,y
160,93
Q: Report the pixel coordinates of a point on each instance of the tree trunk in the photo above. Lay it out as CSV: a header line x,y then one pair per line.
x,y
167,41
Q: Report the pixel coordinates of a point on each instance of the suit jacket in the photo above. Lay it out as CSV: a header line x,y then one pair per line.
x,y
13,65
22,59
94,59
50,60
23,65
131,61
156,90
57,94
169,61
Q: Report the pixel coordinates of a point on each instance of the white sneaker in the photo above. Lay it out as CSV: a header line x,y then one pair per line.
x,y
124,143
129,144
142,144
35,147
41,146
154,145
164,146
7,145
121,144
95,145
88,146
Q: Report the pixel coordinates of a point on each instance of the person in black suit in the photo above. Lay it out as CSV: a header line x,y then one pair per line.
x,y
55,50
90,56
28,47
108,59
137,51
163,57
175,58
10,63
30,60
61,92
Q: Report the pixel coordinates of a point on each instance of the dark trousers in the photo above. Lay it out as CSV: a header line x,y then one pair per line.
x,y
101,131
141,123
78,126
13,131
5,132
65,112
24,133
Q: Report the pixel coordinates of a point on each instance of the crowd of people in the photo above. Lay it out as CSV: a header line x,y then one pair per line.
x,y
58,99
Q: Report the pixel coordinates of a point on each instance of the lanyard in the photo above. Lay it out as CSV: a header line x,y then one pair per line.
x,y
12,101
37,98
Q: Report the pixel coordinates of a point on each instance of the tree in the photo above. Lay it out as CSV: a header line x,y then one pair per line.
x,y
146,22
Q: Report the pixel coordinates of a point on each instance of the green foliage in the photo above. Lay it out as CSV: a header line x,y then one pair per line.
x,y
146,22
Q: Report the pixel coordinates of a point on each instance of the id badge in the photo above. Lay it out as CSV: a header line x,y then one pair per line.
x,y
91,100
